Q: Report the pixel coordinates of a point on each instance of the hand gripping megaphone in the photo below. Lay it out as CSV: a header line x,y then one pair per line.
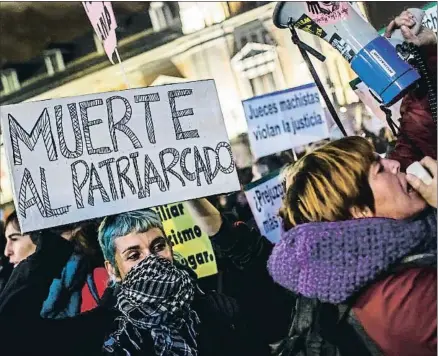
x,y
371,56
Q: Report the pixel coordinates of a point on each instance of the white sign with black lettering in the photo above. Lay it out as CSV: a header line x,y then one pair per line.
x,y
430,17
265,197
83,157
285,119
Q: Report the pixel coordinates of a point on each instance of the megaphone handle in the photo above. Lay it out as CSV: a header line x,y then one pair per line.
x,y
330,107
311,50
390,122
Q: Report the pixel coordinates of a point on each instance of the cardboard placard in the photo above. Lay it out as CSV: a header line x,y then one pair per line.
x,y
265,197
104,23
73,159
430,17
188,239
285,119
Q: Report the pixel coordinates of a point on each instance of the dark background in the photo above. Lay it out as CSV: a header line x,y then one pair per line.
x,y
380,13
27,28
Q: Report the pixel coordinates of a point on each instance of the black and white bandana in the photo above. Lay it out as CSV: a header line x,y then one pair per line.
x,y
155,301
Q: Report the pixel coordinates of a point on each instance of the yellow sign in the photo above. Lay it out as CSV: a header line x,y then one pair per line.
x,y
187,239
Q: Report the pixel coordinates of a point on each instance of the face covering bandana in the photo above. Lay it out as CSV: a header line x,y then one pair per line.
x,y
155,301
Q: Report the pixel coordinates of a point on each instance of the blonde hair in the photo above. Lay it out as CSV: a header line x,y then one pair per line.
x,y
325,184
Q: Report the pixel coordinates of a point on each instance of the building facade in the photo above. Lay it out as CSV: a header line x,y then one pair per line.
x,y
234,43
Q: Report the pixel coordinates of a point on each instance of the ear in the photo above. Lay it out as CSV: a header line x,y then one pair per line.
x,y
112,272
359,213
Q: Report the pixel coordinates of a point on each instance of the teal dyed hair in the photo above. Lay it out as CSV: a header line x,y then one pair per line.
x,y
115,226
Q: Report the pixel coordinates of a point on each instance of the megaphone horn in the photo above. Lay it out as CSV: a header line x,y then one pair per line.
x,y
370,55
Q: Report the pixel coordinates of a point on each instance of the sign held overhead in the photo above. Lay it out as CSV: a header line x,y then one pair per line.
x,y
265,197
102,19
187,239
78,158
285,119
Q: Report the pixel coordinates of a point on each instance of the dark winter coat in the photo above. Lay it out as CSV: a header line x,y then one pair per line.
x,y
242,254
256,315
28,285
222,331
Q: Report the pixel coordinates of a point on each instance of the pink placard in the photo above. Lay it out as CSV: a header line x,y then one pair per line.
x,y
327,12
102,19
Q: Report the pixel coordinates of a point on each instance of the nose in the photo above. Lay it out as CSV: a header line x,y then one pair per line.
x,y
8,248
391,165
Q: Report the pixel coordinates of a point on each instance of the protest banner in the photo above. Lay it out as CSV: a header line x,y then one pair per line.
x,y
102,19
265,197
430,17
188,239
84,157
285,119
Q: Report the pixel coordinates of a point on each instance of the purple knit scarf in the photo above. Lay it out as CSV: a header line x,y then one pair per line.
x,y
331,261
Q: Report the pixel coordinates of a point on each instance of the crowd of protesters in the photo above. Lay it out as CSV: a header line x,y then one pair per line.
x,y
353,274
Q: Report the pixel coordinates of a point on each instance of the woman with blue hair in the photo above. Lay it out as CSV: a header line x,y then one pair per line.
x,y
129,237
153,305
158,298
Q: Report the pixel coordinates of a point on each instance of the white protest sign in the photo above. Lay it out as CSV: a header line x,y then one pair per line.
x,y
285,119
265,197
83,157
102,19
430,16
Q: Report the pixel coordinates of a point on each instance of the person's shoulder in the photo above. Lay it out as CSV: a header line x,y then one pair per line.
x,y
399,311
401,289
213,304
409,281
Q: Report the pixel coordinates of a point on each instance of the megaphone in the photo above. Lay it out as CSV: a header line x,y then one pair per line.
x,y
371,56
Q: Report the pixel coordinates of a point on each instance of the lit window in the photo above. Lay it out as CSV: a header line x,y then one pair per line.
x,y
9,80
263,84
254,32
54,61
98,43
267,38
160,14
